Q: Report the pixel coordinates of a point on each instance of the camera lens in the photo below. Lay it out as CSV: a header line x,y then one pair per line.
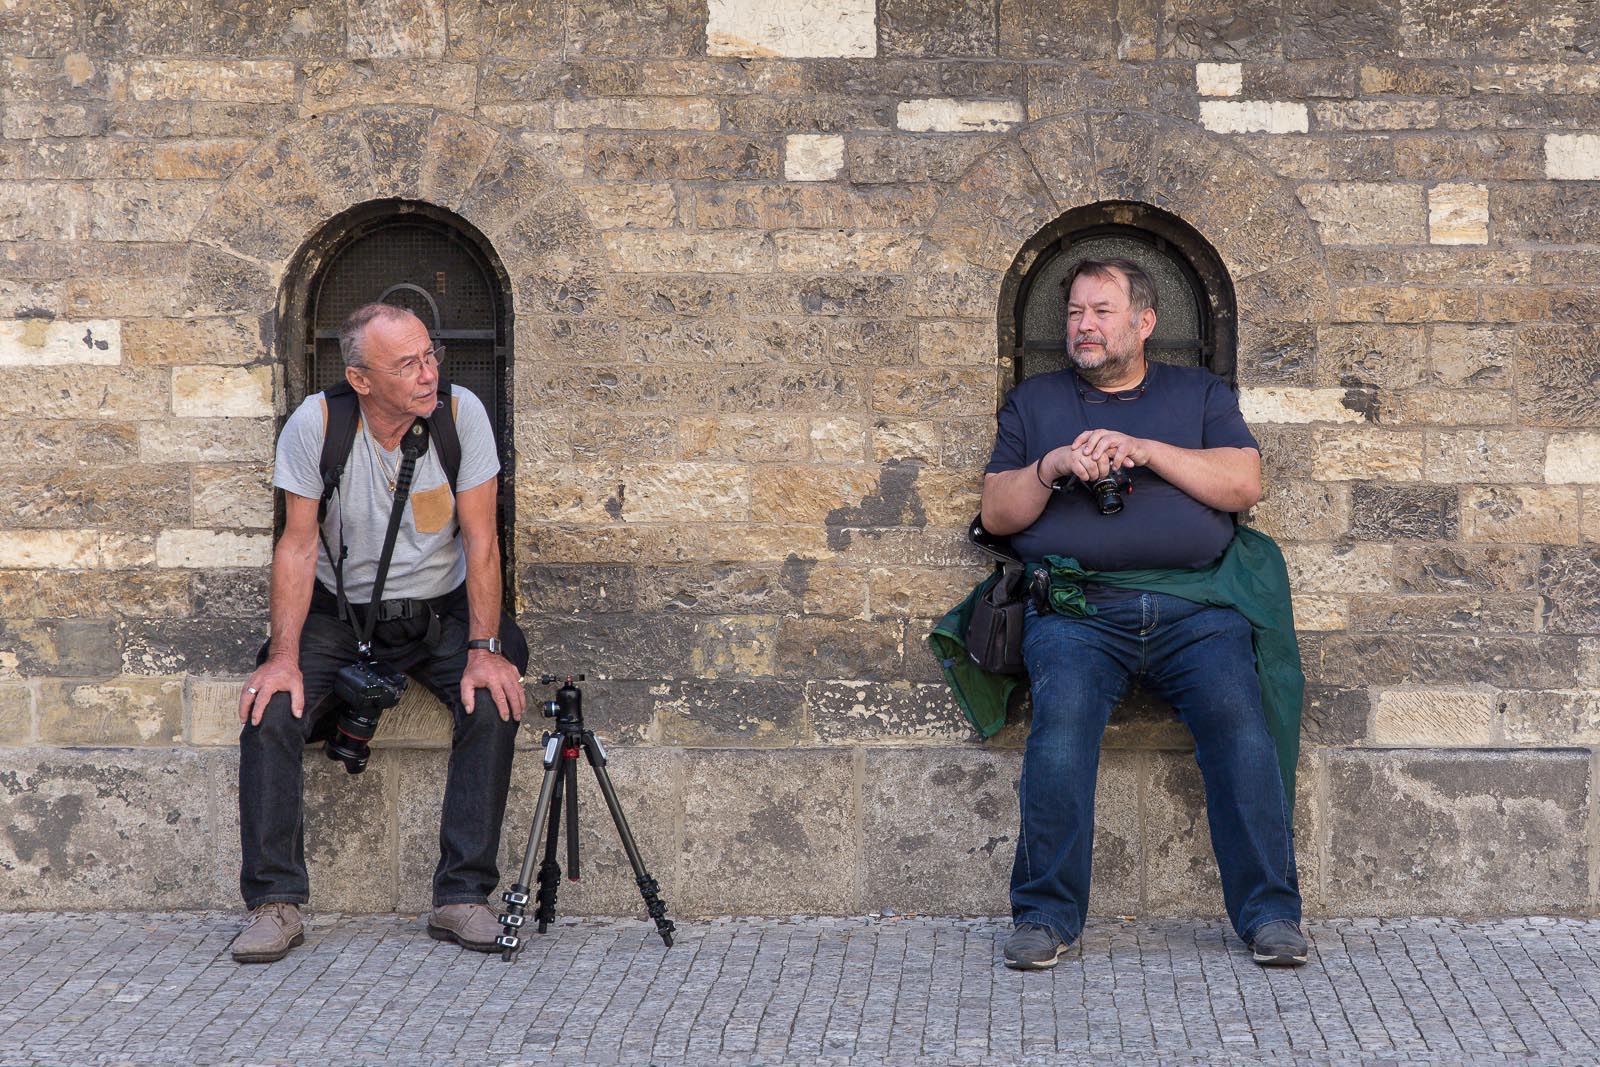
x,y
1108,495
349,742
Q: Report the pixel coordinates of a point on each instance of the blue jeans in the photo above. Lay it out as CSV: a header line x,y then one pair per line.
x,y
1199,659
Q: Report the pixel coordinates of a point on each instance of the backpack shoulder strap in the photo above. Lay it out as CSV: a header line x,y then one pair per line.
x,y
442,429
341,411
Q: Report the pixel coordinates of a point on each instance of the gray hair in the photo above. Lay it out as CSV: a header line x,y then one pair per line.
x,y
352,332
1141,290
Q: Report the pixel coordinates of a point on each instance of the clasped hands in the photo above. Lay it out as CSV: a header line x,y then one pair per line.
x,y
1093,454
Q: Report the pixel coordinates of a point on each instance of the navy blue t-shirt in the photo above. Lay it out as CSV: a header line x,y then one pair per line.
x,y
1159,525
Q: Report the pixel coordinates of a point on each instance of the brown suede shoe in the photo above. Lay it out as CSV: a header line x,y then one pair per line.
x,y
269,933
473,926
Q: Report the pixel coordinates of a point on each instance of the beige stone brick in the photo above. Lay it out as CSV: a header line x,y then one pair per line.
x,y
233,496
1296,405
1219,79
812,157
744,438
933,391
212,715
837,439
127,551
1375,114
1591,516
809,494
1356,569
1406,303
1435,717
1572,156
1253,116
794,29
639,113
22,121
229,392
1366,213
820,251
946,115
1484,456
184,342
1573,457
147,211
197,440
238,80
385,81
1458,214
1319,613
1465,356
1303,510
955,344
43,211
118,711
1520,515
391,29
16,715
904,439
1448,407
729,252
50,549
648,206
212,548
917,592
949,498
1361,453
45,342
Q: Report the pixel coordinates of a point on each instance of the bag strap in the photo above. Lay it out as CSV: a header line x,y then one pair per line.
x,y
442,429
341,414
412,445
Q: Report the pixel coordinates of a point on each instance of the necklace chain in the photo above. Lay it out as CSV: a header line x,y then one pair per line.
x,y
373,449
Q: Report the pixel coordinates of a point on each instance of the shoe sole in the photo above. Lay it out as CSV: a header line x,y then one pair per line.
x,y
440,933
1270,960
270,957
1038,965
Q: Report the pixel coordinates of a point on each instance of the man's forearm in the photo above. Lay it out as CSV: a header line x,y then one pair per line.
x,y
1228,479
294,569
483,590
1012,500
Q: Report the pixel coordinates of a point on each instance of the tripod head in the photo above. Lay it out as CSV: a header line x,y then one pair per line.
x,y
567,708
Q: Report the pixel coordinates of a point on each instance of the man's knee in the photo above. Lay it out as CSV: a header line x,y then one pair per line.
x,y
278,725
484,719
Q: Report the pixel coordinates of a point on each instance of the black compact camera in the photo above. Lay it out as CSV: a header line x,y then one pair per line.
x,y
1108,491
366,689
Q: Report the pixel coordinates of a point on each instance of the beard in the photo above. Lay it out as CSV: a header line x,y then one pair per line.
x,y
1111,366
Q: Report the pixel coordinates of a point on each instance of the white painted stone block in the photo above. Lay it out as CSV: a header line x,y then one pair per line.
x,y
1295,405
1574,156
812,157
212,548
1458,214
1573,458
43,342
49,549
1253,116
793,28
1219,79
944,115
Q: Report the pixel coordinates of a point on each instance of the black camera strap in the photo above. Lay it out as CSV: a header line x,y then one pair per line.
x,y
413,444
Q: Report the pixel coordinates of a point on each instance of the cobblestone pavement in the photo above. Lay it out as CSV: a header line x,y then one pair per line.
x,y
160,989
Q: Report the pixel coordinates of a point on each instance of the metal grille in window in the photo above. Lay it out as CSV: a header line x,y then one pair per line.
x,y
1194,319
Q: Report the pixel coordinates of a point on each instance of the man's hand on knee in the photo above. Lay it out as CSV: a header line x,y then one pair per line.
x,y
274,676
492,671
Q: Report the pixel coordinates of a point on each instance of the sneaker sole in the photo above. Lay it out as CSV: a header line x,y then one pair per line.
x,y
270,957
440,933
1268,960
1038,965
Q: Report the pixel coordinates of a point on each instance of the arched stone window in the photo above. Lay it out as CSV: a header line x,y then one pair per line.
x,y
1195,322
435,265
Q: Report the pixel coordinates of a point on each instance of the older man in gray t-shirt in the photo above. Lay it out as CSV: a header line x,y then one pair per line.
x,y
439,620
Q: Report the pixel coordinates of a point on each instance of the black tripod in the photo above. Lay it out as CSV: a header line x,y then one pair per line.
x,y
561,748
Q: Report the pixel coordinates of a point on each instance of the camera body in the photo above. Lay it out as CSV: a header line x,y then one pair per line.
x,y
367,688
1108,491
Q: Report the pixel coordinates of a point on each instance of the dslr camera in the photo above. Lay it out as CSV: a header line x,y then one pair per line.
x,y
366,688
1108,491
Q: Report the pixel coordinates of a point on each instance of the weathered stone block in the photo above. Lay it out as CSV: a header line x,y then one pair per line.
x,y
735,713
670,156
1458,214
821,648
773,850
1356,355
1219,79
1364,213
1465,568
108,824
1520,514
1253,116
777,207
50,550
43,211
198,440
16,715
945,115
1359,454
1303,510
198,645
486,30
139,498
42,342
884,158
1333,716
117,711
1570,582
232,496
839,440
691,253
1403,513
1572,156
1298,405
1495,832
1436,718
389,29
188,342
1559,716
845,712
1556,366
1273,352
1484,455
1338,568
212,548
815,28
911,28
147,211
234,80
639,113
1321,613
336,85
653,205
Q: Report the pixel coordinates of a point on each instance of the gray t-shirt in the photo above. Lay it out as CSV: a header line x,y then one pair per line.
x,y
428,560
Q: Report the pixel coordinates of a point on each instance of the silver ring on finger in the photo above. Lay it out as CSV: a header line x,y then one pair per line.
x,y
252,690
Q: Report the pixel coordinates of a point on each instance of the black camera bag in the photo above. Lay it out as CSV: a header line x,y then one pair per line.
x,y
994,634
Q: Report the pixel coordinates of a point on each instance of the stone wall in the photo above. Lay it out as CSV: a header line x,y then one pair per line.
x,y
758,251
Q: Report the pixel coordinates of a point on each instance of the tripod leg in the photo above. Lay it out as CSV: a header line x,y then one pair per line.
x,y
516,897
572,815
550,870
648,887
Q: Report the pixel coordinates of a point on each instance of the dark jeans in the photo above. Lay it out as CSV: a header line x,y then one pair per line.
x,y
271,804
1200,659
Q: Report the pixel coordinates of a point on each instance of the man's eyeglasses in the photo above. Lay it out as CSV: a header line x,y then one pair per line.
x,y
1096,396
413,366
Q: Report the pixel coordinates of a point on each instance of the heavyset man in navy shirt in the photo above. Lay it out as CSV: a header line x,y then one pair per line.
x,y
1177,433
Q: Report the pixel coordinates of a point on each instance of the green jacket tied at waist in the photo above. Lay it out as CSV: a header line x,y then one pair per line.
x,y
1250,577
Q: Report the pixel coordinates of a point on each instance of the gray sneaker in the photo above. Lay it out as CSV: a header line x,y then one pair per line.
x,y
1032,947
1279,944
269,933
473,926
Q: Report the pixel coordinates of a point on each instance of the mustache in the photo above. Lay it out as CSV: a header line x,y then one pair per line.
x,y
1089,338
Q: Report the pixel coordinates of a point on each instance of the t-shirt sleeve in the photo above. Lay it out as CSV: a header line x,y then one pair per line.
x,y
1010,450
479,460
299,460
1225,426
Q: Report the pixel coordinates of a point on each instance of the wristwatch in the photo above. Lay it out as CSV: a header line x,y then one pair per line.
x,y
490,643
